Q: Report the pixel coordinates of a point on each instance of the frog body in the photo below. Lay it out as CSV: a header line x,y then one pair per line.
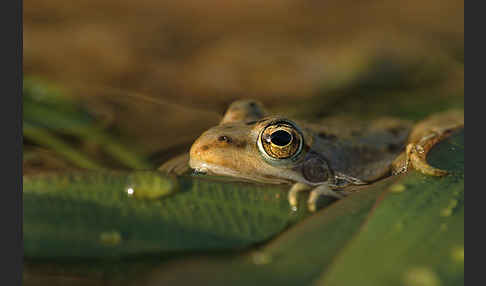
x,y
326,158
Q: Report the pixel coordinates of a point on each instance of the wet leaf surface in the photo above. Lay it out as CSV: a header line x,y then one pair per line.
x,y
413,235
99,215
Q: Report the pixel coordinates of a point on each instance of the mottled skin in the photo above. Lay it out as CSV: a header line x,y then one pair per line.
x,y
330,157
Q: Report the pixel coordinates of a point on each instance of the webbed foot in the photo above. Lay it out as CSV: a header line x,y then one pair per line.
x,y
424,136
416,157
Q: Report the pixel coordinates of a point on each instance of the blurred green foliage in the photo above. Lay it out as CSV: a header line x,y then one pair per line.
x,y
54,120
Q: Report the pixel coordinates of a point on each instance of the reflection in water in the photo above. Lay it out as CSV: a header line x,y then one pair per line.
x,y
149,185
130,191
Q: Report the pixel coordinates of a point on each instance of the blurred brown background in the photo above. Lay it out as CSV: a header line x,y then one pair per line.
x,y
197,56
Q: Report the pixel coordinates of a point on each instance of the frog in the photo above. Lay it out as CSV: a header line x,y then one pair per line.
x,y
325,158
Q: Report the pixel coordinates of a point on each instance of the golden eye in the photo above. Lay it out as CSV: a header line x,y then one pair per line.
x,y
280,140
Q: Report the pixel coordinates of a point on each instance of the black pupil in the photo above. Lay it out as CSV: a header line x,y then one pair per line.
x,y
281,138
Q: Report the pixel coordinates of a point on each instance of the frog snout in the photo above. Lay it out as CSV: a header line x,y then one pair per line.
x,y
199,153
197,149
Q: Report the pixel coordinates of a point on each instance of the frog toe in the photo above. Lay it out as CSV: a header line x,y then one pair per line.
x,y
415,156
423,137
294,192
418,161
323,190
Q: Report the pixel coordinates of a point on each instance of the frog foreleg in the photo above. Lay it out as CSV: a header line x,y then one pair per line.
x,y
294,192
322,190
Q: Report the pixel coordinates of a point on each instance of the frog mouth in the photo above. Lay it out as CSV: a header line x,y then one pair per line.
x,y
201,167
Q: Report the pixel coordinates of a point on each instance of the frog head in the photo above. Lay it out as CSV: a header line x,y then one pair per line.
x,y
271,149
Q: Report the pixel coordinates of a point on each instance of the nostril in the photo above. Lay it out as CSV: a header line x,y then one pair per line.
x,y
204,148
224,138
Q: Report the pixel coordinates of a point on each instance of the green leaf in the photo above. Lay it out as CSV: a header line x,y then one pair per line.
x,y
97,215
296,257
44,137
415,236
48,111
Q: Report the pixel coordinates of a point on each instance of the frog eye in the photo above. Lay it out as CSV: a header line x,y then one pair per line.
x,y
280,141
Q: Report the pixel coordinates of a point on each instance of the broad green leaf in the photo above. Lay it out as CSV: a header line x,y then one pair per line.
x,y
296,257
97,215
415,235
